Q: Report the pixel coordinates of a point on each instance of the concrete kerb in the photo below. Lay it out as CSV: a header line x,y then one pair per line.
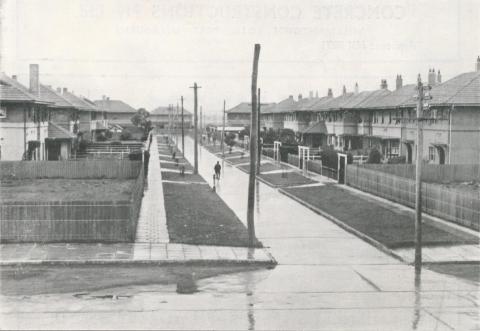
x,y
190,262
346,227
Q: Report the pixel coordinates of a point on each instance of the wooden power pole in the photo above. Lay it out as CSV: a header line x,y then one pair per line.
x,y
183,130
195,121
259,149
201,126
253,151
421,97
223,131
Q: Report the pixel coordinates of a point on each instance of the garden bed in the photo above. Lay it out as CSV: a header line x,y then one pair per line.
x,y
388,225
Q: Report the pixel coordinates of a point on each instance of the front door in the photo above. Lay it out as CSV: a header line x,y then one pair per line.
x,y
53,150
409,153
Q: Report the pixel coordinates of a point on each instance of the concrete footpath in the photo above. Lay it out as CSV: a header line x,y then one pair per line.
x,y
134,253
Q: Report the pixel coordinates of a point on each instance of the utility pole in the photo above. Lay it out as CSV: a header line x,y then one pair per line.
x,y
259,150
201,126
253,151
223,131
421,97
176,123
183,132
195,121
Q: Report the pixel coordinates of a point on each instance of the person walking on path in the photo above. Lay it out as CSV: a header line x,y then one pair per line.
x,y
217,168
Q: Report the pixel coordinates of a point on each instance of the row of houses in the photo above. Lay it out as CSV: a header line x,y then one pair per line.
x,y
39,122
384,119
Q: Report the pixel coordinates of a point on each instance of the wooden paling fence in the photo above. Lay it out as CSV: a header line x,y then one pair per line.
x,y
70,169
454,205
435,173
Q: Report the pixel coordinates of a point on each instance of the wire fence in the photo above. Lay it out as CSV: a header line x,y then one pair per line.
x,y
456,205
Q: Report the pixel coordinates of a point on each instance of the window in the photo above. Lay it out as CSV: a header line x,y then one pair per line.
x,y
389,117
431,153
375,117
395,145
3,112
383,118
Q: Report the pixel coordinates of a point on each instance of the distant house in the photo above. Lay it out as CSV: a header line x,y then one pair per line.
x,y
161,117
117,111
241,114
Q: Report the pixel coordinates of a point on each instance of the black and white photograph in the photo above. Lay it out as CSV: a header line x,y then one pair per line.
x,y
240,165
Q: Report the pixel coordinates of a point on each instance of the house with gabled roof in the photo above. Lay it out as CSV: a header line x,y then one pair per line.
x,y
117,111
24,117
162,116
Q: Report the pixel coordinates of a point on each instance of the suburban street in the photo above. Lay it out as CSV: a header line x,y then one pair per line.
x,y
325,279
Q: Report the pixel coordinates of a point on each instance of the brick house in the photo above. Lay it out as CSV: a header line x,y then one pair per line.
x,y
161,117
116,111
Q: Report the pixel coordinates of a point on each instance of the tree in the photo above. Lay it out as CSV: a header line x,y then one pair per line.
x,y
374,157
140,119
230,139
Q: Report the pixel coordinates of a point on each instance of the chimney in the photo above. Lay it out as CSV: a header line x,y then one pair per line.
x,y
439,77
14,77
65,90
290,97
59,90
300,97
344,90
108,98
383,84
34,80
399,82
104,97
316,94
310,95
478,63
432,77
330,93
356,88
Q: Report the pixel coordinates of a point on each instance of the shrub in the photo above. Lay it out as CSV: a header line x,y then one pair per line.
x,y
101,137
135,156
125,135
349,158
230,139
330,158
82,146
374,156
108,134
397,160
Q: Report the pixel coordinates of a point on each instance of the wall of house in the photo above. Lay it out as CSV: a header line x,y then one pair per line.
x,y
15,134
120,118
272,121
63,117
297,121
465,136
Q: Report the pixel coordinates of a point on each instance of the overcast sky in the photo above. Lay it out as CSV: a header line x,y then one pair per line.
x,y
149,53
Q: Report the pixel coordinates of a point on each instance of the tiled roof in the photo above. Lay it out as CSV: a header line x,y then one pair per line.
x,y
51,95
12,90
305,104
165,111
114,106
391,100
320,102
246,108
333,103
57,132
77,101
368,98
284,106
463,89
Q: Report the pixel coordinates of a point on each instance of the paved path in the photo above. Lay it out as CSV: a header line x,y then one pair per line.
x,y
457,253
126,253
152,222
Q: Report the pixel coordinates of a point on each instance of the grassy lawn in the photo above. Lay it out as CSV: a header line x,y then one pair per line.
x,y
386,224
291,179
62,189
266,167
196,215
187,166
166,175
239,160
